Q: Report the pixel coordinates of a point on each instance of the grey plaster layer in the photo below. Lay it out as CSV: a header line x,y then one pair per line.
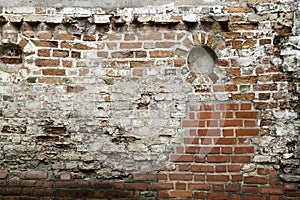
x,y
107,4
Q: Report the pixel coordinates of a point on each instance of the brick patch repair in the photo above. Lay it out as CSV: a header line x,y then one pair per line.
x,y
152,102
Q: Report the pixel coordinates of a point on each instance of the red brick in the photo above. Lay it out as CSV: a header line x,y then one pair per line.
x,y
161,54
115,194
247,132
225,88
60,53
241,159
246,106
265,87
145,177
228,106
250,189
46,62
191,140
150,36
23,43
63,36
236,177
227,115
255,180
202,168
199,195
233,187
36,175
225,140
217,178
237,44
231,35
45,36
162,186
235,197
199,159
181,176
136,186
80,46
227,150
209,115
134,64
163,194
179,63
244,149
208,107
267,69
12,191
292,194
212,123
164,44
181,194
241,26
193,123
180,186
208,150
271,190
263,171
246,114
227,122
221,168
250,123
264,41
183,167
67,63
290,186
245,79
275,198
44,52
102,185
198,186
234,168
131,45
65,176
218,187
218,159
182,158
234,71
238,9
199,177
54,72
223,196
243,97
228,132
162,177
208,132
256,197
222,62
45,43
263,105
3,174
206,141
2,183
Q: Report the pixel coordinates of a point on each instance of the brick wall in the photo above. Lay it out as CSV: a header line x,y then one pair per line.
x,y
103,104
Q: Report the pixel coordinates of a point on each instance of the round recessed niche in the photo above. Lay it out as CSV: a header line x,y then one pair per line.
x,y
11,57
202,59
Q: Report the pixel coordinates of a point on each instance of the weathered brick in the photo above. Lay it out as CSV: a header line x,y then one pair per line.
x,y
161,54
36,175
45,43
46,62
54,72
